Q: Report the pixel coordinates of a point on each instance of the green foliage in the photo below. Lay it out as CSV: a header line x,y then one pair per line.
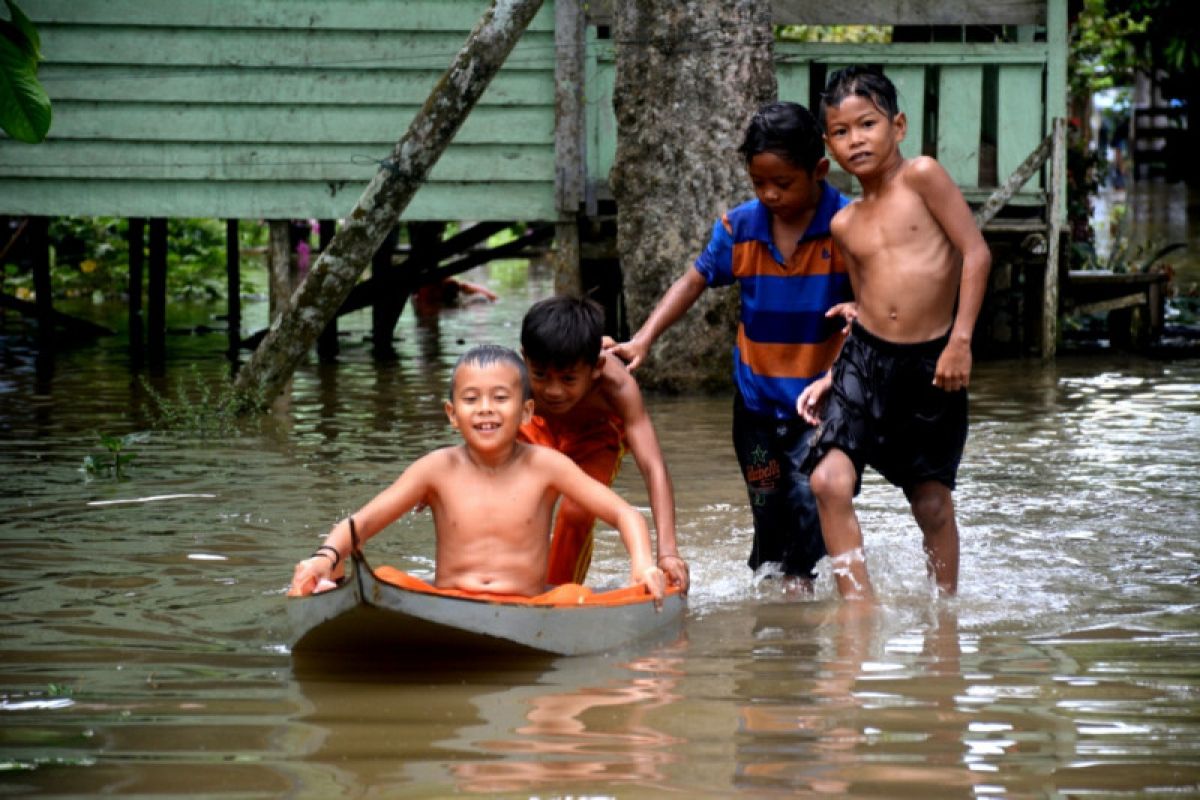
x,y
24,104
199,409
1167,41
1102,55
116,456
856,34
90,258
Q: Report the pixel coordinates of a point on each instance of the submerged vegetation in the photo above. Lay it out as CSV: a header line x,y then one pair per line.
x,y
198,409
116,457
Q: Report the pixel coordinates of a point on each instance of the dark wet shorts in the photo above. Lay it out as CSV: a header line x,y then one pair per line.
x,y
885,412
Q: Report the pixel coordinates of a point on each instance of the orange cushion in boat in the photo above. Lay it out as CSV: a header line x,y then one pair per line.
x,y
568,594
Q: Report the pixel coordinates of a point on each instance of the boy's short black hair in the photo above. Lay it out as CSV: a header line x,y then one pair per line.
x,y
785,129
860,81
485,355
562,331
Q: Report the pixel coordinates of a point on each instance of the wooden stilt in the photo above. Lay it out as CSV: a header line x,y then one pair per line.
x,y
156,294
279,266
233,288
137,264
385,310
327,342
43,291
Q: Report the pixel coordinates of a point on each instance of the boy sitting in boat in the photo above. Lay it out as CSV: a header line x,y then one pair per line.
x,y
491,496
589,407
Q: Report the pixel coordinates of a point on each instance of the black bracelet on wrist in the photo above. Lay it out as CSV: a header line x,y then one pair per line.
x,y
320,551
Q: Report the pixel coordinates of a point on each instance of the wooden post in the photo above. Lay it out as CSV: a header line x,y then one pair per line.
x,y
385,310
233,289
137,265
379,207
569,141
279,267
156,293
327,342
1054,250
43,290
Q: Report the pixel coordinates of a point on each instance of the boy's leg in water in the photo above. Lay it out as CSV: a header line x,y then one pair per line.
x,y
933,508
765,450
833,481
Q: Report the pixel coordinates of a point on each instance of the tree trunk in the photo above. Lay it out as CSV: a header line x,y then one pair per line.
x,y
331,278
688,78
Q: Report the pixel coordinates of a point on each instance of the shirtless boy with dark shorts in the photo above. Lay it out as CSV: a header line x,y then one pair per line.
x,y
896,398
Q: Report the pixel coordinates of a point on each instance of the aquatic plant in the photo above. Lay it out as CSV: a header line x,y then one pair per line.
x,y
200,409
116,455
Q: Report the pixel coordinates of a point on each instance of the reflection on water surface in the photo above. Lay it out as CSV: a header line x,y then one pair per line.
x,y
144,643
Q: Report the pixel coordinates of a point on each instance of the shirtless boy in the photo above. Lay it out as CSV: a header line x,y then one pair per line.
x,y
491,496
896,398
588,407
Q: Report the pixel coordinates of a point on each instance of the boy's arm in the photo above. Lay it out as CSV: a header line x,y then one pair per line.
x,y
625,397
674,304
566,476
385,508
947,205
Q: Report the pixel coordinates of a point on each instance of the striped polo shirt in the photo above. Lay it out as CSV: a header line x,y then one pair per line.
x,y
784,341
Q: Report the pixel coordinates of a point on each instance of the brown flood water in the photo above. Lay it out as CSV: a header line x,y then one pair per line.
x,y
144,639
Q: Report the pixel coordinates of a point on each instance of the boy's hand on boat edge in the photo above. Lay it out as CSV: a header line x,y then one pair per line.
x,y
677,571
311,575
655,581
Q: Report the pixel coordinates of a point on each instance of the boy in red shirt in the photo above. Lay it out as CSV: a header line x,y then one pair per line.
x,y
588,406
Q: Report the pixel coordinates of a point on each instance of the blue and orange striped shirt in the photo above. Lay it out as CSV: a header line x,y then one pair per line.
x,y
784,341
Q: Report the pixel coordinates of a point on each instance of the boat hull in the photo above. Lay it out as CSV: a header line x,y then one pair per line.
x,y
366,613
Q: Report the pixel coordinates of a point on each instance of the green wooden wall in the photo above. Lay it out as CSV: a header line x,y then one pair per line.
x,y
1001,85
282,108
272,109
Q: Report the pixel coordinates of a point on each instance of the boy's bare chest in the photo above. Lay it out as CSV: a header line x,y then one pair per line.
x,y
478,500
888,227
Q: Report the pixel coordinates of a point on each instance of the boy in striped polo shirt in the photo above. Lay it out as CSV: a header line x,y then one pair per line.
x,y
793,284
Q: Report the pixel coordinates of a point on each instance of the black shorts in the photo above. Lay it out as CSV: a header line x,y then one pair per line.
x,y
787,529
885,412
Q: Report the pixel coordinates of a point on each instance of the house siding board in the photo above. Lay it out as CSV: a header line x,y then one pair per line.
x,y
1018,118
273,200
256,108
267,99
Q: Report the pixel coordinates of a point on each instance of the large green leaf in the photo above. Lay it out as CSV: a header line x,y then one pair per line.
x,y
28,35
24,105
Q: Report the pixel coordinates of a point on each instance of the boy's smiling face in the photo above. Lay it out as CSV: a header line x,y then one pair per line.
x,y
787,190
556,390
487,406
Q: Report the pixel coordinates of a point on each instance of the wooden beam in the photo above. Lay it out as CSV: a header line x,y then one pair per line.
x,y
327,343
279,267
570,131
156,293
999,198
233,289
43,290
1055,213
137,263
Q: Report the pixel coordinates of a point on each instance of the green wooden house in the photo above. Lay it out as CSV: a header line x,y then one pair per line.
x,y
282,109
